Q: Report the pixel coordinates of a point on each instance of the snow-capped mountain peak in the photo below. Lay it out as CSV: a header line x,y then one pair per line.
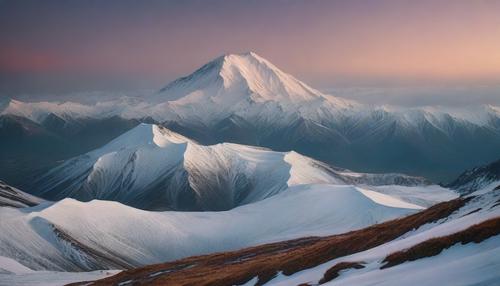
x,y
245,85
146,134
246,76
263,79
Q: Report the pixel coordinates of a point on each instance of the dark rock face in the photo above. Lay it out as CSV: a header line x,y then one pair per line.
x,y
28,149
472,180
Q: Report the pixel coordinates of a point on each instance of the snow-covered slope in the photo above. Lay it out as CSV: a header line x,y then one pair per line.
x,y
12,197
11,266
246,86
51,278
13,273
452,243
461,264
71,235
151,167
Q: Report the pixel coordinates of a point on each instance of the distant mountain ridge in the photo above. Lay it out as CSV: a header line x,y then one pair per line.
x,y
232,83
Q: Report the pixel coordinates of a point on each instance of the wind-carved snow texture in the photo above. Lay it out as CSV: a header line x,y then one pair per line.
x,y
151,167
12,197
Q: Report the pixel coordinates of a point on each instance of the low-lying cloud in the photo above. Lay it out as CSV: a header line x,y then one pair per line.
x,y
421,96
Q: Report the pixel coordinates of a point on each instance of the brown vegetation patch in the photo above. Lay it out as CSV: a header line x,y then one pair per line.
x,y
434,246
265,261
334,271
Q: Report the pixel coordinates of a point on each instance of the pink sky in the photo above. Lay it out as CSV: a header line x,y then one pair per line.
x,y
64,45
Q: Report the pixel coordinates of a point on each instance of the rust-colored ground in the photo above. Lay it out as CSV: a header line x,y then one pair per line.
x,y
434,246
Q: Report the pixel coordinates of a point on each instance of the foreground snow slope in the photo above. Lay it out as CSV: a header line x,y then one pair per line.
x,y
470,264
71,235
452,243
151,167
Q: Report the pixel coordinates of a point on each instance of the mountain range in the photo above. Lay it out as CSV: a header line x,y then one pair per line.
x,y
240,174
245,99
